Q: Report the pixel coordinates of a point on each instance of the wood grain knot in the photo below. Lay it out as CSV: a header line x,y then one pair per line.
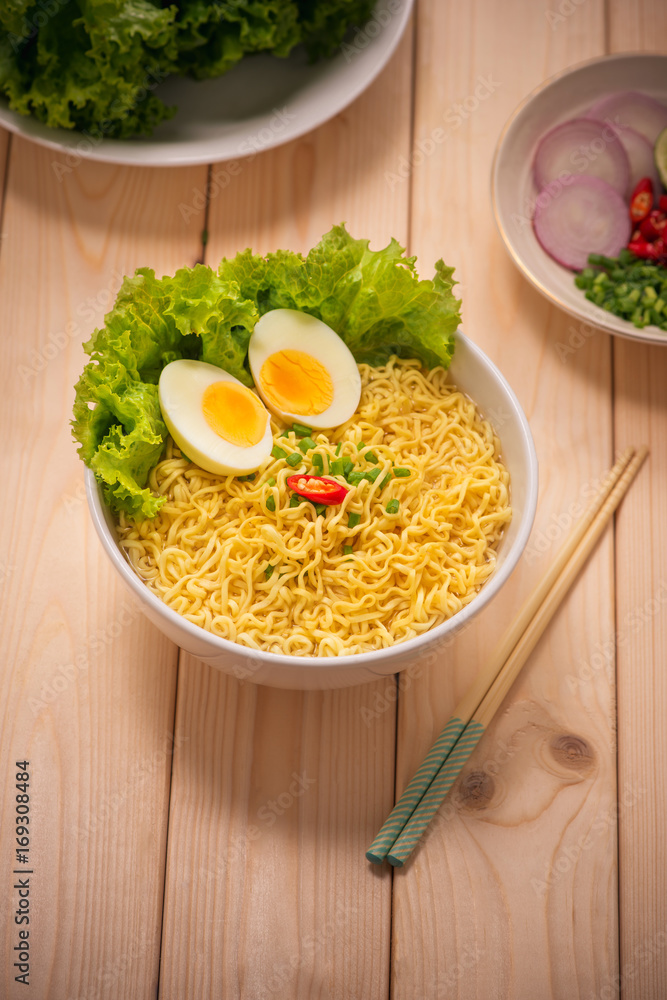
x,y
573,752
476,790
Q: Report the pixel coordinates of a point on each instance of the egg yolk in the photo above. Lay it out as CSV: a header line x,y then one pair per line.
x,y
295,382
234,413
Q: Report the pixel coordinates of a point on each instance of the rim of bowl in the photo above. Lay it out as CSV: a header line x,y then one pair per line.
x,y
98,512
597,318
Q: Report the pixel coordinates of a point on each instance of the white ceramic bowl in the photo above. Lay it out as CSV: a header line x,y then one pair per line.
x,y
261,103
513,190
472,371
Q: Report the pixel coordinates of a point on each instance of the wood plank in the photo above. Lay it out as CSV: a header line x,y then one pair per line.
x,y
87,686
513,890
5,142
261,902
640,408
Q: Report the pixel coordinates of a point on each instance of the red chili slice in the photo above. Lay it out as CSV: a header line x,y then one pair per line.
x,y
641,200
319,489
657,250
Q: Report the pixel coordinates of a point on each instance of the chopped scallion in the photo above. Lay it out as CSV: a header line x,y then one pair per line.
x,y
294,459
387,479
371,458
340,445
372,474
270,504
360,446
353,519
336,467
318,463
320,508
271,481
348,550
269,571
348,465
277,452
392,507
302,431
307,444
295,501
402,473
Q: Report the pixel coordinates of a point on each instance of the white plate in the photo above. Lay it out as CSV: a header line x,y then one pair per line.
x,y
263,102
513,191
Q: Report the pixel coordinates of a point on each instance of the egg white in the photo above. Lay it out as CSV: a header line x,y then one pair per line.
x,y
181,388
291,329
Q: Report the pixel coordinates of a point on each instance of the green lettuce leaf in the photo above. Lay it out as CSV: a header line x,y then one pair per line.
x,y
373,299
213,36
326,22
117,418
94,65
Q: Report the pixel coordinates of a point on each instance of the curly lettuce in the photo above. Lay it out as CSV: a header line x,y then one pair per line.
x,y
373,299
94,65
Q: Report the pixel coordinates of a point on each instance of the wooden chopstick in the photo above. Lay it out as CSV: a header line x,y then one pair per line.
x,y
450,751
473,732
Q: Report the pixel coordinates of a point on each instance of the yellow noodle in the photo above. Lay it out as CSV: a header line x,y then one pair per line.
x,y
206,553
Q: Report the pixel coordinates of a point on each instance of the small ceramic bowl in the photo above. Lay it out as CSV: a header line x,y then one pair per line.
x,y
513,191
475,374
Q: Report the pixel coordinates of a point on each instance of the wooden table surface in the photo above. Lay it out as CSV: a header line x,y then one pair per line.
x,y
196,837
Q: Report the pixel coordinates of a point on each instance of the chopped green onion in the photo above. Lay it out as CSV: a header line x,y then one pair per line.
x,y
307,444
320,509
247,479
270,504
372,474
318,463
277,452
348,465
336,467
340,445
353,519
402,473
301,431
348,550
371,458
269,571
360,446
392,507
355,478
630,287
271,482
295,501
294,459
387,479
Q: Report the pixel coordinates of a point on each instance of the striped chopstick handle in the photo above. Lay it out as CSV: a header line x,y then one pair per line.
x,y
414,790
435,793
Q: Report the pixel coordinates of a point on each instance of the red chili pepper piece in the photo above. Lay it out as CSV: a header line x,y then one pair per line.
x,y
657,250
641,200
651,227
662,203
319,489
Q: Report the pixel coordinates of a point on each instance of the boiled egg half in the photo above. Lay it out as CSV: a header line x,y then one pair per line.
x,y
302,369
214,419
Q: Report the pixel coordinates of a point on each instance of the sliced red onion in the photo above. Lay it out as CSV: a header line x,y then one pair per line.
x,y
630,108
579,216
640,154
582,146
